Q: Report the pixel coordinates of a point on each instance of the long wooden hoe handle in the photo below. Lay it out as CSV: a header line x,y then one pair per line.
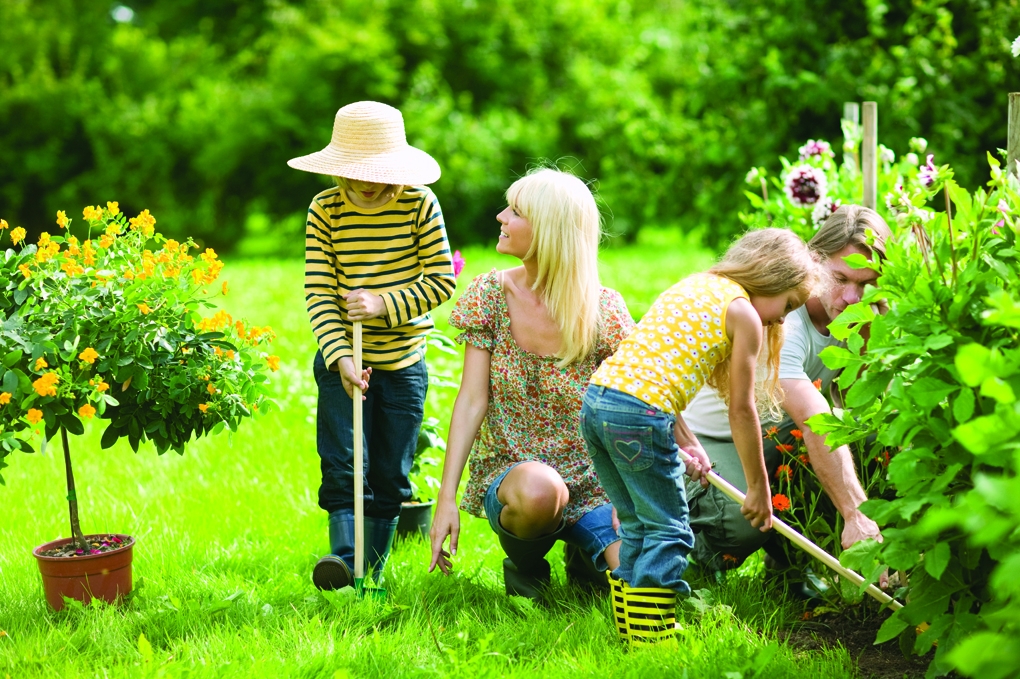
x,y
811,548
359,465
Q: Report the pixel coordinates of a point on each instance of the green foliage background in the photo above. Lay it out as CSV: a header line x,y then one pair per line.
x,y
193,108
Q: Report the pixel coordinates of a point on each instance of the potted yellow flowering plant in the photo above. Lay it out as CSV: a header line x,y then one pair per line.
x,y
105,323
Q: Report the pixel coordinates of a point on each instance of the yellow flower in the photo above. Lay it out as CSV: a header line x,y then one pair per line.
x,y
197,276
113,229
144,222
72,246
144,308
224,288
113,208
33,415
25,270
87,411
5,398
88,253
47,384
40,363
230,354
61,219
211,388
208,256
17,235
105,240
89,355
92,213
203,407
102,386
273,362
72,268
3,224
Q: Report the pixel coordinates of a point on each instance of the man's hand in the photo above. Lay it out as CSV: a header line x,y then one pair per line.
x,y
349,376
757,507
859,527
363,305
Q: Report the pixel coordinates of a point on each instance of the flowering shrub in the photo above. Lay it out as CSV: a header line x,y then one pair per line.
x,y
806,192
938,385
98,325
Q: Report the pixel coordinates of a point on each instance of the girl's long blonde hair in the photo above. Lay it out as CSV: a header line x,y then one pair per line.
x,y
565,232
766,263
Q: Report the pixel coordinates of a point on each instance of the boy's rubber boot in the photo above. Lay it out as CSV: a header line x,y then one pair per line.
x,y
619,607
581,571
378,542
526,572
335,570
650,614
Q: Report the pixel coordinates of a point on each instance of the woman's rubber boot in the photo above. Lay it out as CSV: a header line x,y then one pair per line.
x,y
334,571
581,571
650,614
526,572
619,607
378,541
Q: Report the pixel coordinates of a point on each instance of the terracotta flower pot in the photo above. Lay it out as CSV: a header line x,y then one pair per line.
x,y
104,576
415,519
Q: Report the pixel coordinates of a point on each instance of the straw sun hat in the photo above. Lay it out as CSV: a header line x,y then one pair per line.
x,y
369,144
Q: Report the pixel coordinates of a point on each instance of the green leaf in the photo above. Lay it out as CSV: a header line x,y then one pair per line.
x,y
71,423
928,392
10,382
836,357
144,648
984,433
936,559
110,436
972,362
11,359
989,655
859,261
997,389
963,406
891,628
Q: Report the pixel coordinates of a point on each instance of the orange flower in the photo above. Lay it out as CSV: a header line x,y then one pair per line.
x,y
273,362
204,407
87,411
783,472
784,448
61,219
40,363
211,388
771,431
89,355
818,384
33,415
883,458
5,398
47,384
780,502
804,460
144,308
729,558
797,434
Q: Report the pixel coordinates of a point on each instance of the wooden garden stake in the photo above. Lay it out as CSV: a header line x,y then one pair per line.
x,y
1013,134
796,538
869,155
852,114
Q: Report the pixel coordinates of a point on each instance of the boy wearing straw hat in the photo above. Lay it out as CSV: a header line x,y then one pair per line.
x,y
376,252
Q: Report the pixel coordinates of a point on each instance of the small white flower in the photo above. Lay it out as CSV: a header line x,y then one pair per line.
x,y
823,209
1016,47
753,176
918,144
886,154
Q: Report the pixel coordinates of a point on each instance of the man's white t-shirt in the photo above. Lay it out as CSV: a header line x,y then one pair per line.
x,y
707,415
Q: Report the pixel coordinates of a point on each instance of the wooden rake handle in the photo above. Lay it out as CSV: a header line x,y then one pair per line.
x,y
811,548
359,464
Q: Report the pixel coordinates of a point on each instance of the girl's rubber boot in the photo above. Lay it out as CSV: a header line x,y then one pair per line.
x,y
334,571
526,572
378,542
581,571
650,613
619,604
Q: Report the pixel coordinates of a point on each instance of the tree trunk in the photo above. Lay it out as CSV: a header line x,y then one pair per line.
x,y
72,497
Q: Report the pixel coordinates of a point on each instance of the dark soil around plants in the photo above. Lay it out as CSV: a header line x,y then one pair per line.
x,y
98,544
857,636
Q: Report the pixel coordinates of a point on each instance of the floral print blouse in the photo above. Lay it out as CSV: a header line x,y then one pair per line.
x,y
533,405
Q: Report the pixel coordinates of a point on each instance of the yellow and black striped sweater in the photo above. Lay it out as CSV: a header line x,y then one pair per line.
x,y
399,251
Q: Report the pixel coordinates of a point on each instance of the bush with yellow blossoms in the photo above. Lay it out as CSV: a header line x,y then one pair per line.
x,y
103,320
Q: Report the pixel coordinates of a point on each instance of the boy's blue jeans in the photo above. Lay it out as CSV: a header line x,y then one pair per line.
x,y
393,410
638,463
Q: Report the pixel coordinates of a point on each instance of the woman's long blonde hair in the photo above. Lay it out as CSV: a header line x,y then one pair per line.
x,y
565,232
766,263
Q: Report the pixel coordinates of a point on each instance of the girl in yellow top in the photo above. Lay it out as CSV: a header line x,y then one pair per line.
x,y
710,328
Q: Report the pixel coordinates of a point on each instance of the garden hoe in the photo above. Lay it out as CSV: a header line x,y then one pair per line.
x,y
796,538
360,586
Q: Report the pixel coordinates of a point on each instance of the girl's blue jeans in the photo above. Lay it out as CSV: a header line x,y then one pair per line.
x,y
638,463
393,410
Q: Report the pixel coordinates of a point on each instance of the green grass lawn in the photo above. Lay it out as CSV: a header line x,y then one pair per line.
x,y
228,533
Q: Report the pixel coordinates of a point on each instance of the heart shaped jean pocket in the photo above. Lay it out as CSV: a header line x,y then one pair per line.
x,y
629,450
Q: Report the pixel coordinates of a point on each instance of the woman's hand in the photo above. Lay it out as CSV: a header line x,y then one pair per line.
x,y
446,522
757,507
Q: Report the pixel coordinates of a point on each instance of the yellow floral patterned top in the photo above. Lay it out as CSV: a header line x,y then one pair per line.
x,y
676,346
